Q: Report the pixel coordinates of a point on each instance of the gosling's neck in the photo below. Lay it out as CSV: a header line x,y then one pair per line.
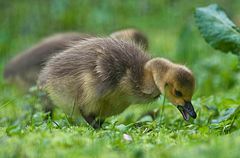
x,y
155,74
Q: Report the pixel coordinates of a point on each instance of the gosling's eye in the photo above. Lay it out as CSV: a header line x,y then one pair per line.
x,y
178,93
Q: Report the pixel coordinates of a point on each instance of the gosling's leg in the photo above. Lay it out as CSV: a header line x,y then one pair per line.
x,y
48,106
92,121
98,123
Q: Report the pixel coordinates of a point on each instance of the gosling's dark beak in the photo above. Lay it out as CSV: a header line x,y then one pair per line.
x,y
186,110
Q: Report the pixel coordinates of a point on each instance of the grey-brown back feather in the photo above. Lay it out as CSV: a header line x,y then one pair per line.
x,y
107,59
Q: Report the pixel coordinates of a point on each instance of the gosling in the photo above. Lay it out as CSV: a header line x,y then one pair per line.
x,y
101,77
23,70
132,35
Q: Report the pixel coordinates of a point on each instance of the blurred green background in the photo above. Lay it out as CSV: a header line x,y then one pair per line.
x,y
170,27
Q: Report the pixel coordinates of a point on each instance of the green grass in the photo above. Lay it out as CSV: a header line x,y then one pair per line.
x,y
24,131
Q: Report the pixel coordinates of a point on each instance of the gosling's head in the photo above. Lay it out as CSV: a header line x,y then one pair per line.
x,y
177,83
179,88
132,35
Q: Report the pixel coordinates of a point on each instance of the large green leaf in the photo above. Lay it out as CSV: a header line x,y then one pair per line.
x,y
217,29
